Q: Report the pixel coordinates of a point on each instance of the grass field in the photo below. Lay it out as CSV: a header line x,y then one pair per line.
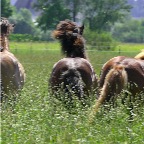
x,y
38,118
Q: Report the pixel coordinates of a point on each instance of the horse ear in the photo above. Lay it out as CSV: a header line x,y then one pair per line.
x,y
81,29
13,25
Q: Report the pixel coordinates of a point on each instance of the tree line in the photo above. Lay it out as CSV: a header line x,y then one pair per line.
x,y
103,19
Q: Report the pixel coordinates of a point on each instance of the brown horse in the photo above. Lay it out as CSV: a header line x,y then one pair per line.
x,y
74,75
117,74
12,72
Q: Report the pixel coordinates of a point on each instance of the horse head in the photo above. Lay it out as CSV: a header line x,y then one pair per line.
x,y
68,29
70,36
6,27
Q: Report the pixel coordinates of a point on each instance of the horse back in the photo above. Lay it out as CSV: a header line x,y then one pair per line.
x,y
135,72
133,67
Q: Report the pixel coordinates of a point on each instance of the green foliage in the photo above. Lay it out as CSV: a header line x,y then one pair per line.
x,y
130,31
102,14
51,13
23,22
6,8
45,36
22,37
99,41
25,29
25,14
75,7
39,36
99,14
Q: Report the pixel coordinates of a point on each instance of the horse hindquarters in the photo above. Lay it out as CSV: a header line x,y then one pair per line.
x,y
12,74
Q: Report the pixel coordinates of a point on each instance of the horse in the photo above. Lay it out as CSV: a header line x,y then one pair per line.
x,y
118,74
12,72
73,74
140,55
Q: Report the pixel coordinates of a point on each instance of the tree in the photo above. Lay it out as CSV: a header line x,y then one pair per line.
x,y
75,7
6,8
130,30
51,13
101,14
23,22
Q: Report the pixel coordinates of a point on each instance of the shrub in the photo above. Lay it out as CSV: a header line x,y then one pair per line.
x,y
129,31
29,37
99,41
21,37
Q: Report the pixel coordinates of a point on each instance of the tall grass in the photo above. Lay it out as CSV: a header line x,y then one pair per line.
x,y
36,117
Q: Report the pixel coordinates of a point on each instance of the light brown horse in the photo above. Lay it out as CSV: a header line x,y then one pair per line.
x,y
140,55
117,74
12,72
74,74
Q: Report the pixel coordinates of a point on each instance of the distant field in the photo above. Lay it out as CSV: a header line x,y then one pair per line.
x,y
130,47
34,45
38,118
56,45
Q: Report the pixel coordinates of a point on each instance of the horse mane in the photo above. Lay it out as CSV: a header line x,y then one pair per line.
x,y
6,27
70,36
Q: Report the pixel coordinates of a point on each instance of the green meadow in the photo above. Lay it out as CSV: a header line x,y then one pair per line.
x,y
36,117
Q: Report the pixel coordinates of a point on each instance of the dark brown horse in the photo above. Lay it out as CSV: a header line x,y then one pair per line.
x,y
117,74
12,72
74,75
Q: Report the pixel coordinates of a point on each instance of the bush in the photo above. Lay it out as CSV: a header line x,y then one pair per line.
x,y
29,37
22,37
99,41
130,31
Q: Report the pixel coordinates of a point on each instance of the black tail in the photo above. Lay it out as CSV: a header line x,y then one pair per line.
x,y
72,84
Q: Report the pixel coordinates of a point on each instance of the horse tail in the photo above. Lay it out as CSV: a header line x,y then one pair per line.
x,y
72,83
115,80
